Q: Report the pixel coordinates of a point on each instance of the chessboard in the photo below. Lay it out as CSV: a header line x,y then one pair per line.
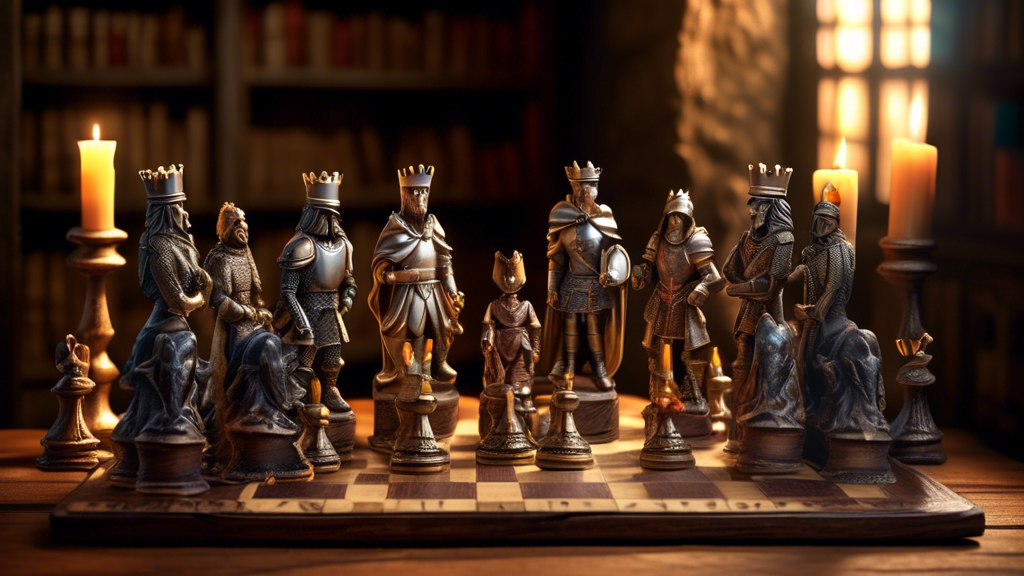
x,y
616,502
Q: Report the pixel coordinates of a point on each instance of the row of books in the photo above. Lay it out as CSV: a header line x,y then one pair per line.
x,y
147,135
995,198
997,29
80,38
286,35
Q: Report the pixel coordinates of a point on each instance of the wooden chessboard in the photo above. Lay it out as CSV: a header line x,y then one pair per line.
x,y
616,501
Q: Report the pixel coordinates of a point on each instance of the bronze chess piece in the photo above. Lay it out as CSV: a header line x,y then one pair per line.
x,y
160,436
720,395
415,300
249,393
317,291
587,275
664,447
506,444
679,261
510,342
563,447
416,450
69,445
316,447
847,435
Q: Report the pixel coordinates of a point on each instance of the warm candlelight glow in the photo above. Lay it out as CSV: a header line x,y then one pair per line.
x,y
854,11
854,45
95,131
840,161
718,427
915,122
851,107
666,359
716,360
97,181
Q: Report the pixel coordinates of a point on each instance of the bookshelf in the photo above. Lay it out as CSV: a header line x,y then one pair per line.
x,y
213,105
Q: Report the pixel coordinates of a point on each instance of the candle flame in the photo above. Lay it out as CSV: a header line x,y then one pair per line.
x,y
716,360
916,121
718,427
666,358
840,160
95,131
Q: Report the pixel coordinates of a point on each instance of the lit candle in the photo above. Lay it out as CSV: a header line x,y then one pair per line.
x,y
845,182
97,181
912,185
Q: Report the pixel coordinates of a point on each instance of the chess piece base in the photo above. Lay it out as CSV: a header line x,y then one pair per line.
x,y
68,460
524,458
771,451
256,457
421,465
561,461
173,469
125,470
654,459
597,418
529,418
850,461
385,416
928,452
341,432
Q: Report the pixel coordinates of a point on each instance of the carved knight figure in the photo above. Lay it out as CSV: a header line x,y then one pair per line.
x,y
249,390
678,258
161,434
584,291
317,290
416,303
759,264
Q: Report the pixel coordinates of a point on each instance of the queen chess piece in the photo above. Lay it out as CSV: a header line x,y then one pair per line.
x,y
69,445
563,447
507,444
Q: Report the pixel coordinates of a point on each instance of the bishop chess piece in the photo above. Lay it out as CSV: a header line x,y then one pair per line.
x,y
665,448
563,447
416,450
507,444
69,445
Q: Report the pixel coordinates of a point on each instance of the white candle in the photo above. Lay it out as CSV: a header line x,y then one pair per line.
x,y
845,182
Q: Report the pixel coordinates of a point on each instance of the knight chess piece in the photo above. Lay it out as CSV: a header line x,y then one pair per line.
x,y
679,261
317,291
415,301
249,393
510,342
759,265
563,447
847,434
506,444
770,405
587,276
160,437
69,445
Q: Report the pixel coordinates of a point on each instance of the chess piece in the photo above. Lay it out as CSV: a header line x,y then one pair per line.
x,y
770,405
160,437
563,447
317,291
510,341
664,447
506,444
249,392
415,300
759,264
69,445
416,450
587,274
719,395
316,447
679,261
840,365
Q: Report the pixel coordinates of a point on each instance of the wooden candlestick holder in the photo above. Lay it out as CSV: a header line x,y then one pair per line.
x,y
916,439
94,258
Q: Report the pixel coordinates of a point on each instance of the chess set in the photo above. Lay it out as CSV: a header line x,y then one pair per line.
x,y
257,442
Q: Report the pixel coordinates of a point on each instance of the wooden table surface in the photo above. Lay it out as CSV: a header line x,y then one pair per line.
x,y
991,480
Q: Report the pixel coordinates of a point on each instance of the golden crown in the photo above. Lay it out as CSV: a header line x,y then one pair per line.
x,y
415,177
768,183
586,174
164,186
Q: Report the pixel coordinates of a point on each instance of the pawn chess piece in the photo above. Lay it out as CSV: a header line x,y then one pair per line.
x,y
69,445
316,447
506,444
416,451
563,448
665,448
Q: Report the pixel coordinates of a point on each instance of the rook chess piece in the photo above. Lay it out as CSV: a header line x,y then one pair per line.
x,y
563,448
507,443
69,445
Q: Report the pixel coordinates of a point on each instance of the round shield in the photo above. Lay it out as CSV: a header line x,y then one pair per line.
x,y
615,263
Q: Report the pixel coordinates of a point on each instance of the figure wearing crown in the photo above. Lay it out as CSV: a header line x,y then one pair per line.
x,y
679,261
161,435
317,290
416,303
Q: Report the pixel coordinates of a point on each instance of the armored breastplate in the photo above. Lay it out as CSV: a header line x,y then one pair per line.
x,y
583,245
328,268
818,272
423,256
750,253
241,280
674,269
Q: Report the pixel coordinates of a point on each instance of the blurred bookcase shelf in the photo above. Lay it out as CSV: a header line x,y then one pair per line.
x,y
372,80
120,78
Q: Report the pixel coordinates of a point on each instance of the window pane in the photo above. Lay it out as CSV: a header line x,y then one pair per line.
x,y
852,108
920,46
854,12
921,11
826,11
827,106
894,11
894,51
853,46
893,102
826,48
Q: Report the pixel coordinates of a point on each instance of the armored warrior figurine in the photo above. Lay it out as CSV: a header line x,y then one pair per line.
x,y
161,435
417,305
511,332
759,264
249,387
587,273
317,290
840,364
678,258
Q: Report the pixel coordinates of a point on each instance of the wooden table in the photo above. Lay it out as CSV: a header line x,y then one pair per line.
x,y
993,481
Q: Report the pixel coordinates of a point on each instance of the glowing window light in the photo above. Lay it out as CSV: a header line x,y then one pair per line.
x,y
854,12
853,48
852,108
920,46
826,48
894,11
920,11
894,51
826,106
826,10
